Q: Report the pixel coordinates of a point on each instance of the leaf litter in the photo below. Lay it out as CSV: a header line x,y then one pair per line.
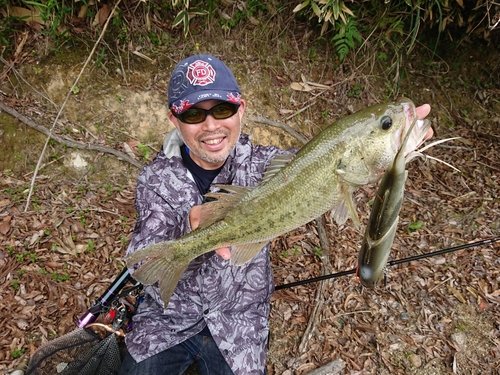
x,y
437,315
434,316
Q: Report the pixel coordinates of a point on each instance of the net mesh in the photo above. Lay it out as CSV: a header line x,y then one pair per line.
x,y
79,352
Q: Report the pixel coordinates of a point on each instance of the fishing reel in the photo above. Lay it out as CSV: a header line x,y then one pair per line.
x,y
114,309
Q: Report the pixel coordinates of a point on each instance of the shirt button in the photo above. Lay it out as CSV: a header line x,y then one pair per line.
x,y
226,352
207,270
206,311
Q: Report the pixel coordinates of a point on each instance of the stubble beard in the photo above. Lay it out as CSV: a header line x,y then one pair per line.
x,y
207,157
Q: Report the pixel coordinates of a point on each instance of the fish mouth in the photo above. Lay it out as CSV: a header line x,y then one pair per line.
x,y
420,130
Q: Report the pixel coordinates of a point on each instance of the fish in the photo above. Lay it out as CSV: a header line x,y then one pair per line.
x,y
384,217
353,151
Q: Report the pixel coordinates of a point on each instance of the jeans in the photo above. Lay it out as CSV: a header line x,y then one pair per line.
x,y
176,360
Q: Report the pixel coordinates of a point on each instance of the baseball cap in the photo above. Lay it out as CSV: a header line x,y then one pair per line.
x,y
199,78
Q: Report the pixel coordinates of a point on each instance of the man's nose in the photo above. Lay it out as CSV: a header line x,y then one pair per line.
x,y
210,123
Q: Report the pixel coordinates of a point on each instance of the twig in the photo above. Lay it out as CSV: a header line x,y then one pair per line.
x,y
121,62
281,125
69,142
64,104
320,292
302,109
18,75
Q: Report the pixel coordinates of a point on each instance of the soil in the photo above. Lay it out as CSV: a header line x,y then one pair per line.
x,y
437,315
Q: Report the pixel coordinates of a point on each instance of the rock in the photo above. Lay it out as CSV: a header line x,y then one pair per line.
x,y
332,368
459,338
415,360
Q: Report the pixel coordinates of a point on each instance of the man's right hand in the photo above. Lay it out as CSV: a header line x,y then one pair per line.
x,y
194,219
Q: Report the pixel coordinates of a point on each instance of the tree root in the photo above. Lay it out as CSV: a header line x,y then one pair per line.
x,y
69,142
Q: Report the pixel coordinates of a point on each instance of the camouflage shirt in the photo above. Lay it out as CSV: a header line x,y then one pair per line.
x,y
234,301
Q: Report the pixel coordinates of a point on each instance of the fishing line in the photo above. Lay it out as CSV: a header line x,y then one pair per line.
x,y
392,262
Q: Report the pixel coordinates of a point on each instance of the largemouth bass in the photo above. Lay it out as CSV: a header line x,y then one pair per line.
x,y
353,151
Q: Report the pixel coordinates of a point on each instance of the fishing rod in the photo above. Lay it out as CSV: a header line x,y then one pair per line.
x,y
392,262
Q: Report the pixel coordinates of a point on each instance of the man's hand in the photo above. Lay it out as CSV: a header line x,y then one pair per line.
x,y
194,219
423,111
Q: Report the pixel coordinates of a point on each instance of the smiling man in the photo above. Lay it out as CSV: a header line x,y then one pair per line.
x,y
218,314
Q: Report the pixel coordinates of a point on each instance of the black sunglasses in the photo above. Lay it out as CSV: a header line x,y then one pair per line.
x,y
220,111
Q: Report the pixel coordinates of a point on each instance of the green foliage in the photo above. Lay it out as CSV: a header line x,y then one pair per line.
x,y
356,91
59,277
187,13
16,353
246,11
143,151
90,246
346,38
14,284
415,226
328,12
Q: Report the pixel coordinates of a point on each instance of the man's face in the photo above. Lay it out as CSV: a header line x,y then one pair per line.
x,y
210,142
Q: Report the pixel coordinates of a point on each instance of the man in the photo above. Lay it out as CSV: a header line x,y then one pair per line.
x,y
218,315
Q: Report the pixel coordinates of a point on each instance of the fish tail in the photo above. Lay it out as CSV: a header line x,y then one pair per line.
x,y
152,251
164,270
161,266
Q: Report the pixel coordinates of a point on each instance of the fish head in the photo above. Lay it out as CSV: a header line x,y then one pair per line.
x,y
374,136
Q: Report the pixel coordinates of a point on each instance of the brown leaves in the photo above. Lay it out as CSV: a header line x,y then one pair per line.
x,y
56,259
5,225
409,325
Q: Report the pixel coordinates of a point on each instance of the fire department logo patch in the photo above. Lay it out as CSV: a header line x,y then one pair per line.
x,y
200,73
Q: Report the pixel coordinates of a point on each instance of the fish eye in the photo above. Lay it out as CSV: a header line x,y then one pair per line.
x,y
386,122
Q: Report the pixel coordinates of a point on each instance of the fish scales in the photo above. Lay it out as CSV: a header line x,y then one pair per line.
x,y
351,152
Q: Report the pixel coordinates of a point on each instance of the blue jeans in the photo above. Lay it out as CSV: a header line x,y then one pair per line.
x,y
176,360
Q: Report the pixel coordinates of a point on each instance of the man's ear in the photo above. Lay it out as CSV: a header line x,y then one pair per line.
x,y
243,105
173,119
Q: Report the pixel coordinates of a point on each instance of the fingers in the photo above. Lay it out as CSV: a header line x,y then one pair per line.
x,y
194,217
423,111
224,253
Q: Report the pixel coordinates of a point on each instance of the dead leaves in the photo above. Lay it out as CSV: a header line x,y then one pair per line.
x,y
56,259
409,325
5,225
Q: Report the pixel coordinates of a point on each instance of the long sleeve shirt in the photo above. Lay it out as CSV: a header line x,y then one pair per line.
x,y
233,301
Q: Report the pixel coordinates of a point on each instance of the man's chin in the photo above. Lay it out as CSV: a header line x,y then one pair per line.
x,y
213,157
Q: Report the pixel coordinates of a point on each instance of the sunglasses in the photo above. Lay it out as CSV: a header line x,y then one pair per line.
x,y
220,111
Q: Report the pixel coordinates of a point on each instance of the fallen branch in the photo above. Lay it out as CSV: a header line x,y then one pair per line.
x,y
69,142
281,125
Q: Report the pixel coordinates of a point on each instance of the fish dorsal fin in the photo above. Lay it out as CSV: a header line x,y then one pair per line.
x,y
216,210
242,253
345,208
278,162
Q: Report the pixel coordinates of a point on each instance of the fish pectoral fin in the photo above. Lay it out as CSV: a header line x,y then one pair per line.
x,y
242,253
214,211
345,208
